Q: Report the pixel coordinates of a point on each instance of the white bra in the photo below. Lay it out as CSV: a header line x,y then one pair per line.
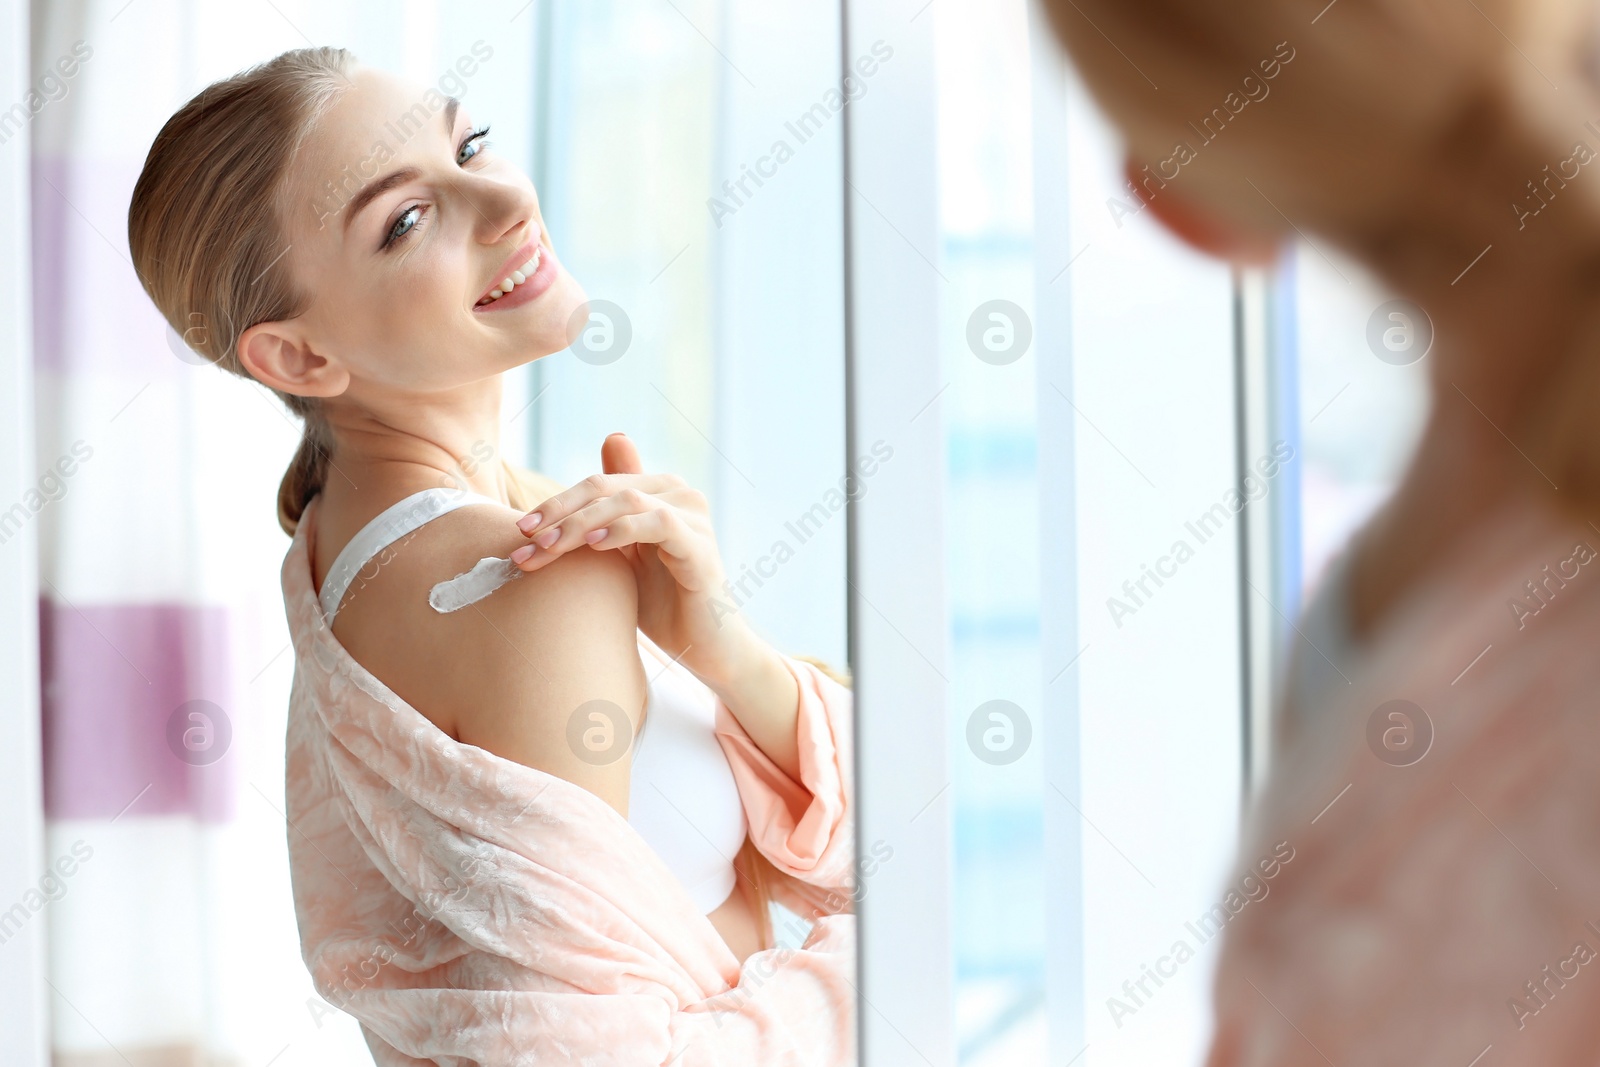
x,y
682,798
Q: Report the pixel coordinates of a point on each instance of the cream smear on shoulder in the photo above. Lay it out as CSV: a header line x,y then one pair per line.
x,y
487,575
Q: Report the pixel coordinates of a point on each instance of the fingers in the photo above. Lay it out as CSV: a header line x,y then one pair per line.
x,y
587,525
619,455
559,507
665,528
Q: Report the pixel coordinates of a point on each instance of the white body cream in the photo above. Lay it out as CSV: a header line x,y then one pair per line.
x,y
487,575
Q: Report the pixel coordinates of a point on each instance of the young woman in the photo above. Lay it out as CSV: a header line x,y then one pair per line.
x,y
571,799
1437,784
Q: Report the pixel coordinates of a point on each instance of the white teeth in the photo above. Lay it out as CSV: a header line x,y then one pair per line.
x,y
515,278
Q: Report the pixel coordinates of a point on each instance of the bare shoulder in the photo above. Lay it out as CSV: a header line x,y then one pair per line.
x,y
512,671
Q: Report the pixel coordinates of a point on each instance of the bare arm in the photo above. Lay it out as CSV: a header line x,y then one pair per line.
x,y
663,528
512,672
758,687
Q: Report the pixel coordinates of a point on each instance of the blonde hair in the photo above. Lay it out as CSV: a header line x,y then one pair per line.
x,y
206,225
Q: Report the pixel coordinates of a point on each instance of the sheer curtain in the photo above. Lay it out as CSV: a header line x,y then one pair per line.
x,y
21,830
171,940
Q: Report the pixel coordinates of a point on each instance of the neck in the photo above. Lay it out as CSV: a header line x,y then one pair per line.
x,y
1514,389
388,441
1515,369
1457,479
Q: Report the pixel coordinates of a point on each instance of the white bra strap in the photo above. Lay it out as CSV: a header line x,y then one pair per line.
x,y
391,524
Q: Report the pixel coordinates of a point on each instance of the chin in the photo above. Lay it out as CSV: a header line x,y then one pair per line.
x,y
546,331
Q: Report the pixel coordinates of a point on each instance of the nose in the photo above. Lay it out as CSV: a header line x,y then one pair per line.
x,y
506,212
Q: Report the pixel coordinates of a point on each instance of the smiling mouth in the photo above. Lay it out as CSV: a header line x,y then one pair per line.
x,y
517,277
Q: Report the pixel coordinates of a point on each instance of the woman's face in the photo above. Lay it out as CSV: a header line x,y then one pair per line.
x,y
1372,122
401,221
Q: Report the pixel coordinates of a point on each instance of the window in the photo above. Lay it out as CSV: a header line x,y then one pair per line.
x,y
1071,466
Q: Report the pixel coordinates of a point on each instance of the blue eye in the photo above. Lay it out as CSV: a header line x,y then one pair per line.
x,y
404,225
473,145
412,218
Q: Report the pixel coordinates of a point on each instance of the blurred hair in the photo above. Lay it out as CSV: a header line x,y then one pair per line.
x,y
1404,135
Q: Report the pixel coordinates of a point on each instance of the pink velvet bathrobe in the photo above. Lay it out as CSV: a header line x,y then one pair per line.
x,y
469,910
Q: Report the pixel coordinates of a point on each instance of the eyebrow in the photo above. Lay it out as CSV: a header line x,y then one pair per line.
x,y
374,189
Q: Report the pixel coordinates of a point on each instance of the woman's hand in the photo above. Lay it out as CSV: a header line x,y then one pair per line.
x,y
663,528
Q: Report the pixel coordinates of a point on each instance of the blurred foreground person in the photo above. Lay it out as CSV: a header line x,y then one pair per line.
x,y
1437,752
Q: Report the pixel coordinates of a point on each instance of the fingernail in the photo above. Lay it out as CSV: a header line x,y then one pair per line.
x,y
548,538
596,536
521,555
529,523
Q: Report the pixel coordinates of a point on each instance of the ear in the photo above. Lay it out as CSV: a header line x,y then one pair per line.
x,y
276,354
1200,231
